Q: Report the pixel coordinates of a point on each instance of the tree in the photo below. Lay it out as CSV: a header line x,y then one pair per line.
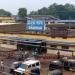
x,y
70,11
66,11
22,13
60,11
52,9
33,13
4,13
43,11
57,11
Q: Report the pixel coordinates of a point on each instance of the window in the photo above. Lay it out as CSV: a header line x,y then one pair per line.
x,y
29,66
54,66
53,46
72,64
33,65
66,64
65,47
23,66
37,64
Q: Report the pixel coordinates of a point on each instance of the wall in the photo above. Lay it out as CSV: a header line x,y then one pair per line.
x,y
12,28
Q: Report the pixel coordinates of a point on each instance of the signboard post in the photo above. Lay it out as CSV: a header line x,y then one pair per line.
x,y
36,25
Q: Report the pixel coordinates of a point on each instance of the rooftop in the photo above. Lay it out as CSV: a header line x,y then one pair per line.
x,y
29,62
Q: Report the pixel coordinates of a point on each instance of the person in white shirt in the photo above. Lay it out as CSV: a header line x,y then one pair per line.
x,y
2,65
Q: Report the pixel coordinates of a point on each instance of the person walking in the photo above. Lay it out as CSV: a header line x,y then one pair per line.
x,y
2,65
58,54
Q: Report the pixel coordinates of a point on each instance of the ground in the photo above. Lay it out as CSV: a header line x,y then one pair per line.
x,y
44,65
44,69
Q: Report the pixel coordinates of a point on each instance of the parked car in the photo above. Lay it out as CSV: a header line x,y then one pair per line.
x,y
55,68
27,66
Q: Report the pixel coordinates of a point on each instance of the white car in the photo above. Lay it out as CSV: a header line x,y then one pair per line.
x,y
14,66
27,66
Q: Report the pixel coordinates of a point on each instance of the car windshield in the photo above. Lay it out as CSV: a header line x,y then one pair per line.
x,y
72,64
54,66
23,66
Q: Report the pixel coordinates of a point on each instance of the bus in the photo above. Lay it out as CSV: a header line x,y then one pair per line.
x,y
33,46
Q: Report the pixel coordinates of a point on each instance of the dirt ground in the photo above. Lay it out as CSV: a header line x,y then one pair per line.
x,y
44,70
44,66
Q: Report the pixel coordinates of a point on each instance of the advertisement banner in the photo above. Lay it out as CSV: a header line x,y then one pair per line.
x,y
38,25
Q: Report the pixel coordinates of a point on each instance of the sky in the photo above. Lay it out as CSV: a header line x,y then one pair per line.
x,y
31,5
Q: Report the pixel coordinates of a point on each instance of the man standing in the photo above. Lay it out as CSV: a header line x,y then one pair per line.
x,y
2,65
58,54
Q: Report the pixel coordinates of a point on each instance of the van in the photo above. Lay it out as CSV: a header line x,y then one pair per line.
x,y
27,66
14,65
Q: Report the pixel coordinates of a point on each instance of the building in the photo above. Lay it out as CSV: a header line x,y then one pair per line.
x,y
43,17
58,21
6,19
61,30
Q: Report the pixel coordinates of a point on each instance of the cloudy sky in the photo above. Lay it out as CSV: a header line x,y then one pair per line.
x,y
13,5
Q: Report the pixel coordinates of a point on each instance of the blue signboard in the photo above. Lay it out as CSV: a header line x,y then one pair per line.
x,y
38,25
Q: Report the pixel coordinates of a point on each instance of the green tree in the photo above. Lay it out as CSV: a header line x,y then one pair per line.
x,y
33,13
57,11
66,11
22,13
43,11
52,9
4,13
60,11
70,11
